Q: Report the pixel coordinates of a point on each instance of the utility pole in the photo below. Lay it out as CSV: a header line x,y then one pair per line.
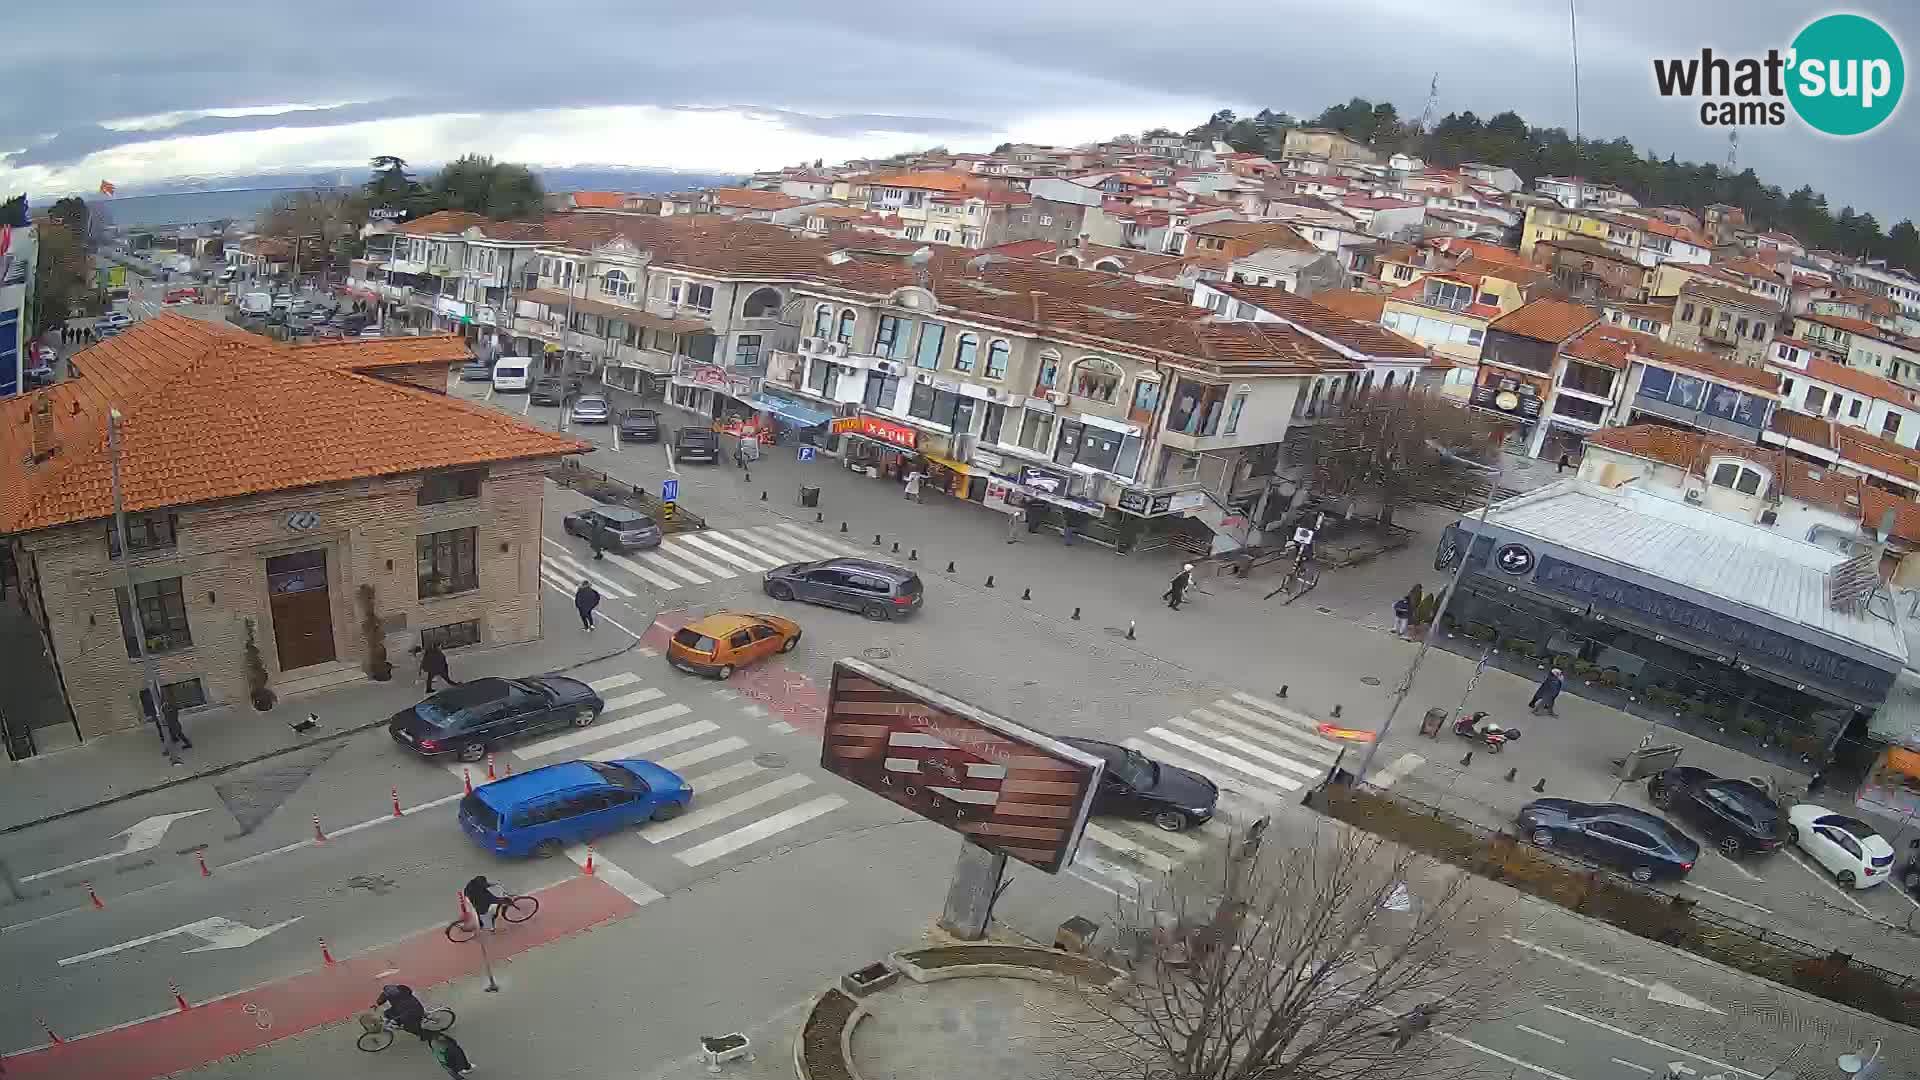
x,y
1573,28
133,599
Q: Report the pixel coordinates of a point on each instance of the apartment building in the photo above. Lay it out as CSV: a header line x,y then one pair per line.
x,y
1727,322
1864,345
1522,376
1845,395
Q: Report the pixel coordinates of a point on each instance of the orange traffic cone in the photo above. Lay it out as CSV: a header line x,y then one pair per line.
x,y
179,999
589,867
396,802
490,775
318,836
204,872
325,953
52,1036
93,896
467,776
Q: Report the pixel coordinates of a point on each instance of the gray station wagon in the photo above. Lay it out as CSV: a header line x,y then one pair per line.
x,y
875,589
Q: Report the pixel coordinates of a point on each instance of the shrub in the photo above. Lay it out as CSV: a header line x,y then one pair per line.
x,y
379,668
257,689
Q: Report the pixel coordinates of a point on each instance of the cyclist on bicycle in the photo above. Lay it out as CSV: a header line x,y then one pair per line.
x,y
484,900
405,1010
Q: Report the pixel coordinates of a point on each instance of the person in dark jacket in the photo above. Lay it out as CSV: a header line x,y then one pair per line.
x,y
1402,612
1542,701
170,716
1177,588
403,1008
449,1054
585,599
433,664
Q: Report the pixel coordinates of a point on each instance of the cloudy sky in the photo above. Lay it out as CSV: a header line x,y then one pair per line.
x,y
137,91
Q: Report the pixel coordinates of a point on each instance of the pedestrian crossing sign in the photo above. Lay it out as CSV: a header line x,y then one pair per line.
x,y
670,489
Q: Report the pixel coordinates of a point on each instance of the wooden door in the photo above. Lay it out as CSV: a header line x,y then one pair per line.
x,y
302,611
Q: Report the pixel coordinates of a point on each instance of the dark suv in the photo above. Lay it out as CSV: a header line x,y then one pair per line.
x,y
696,444
1736,816
552,389
875,589
640,425
618,528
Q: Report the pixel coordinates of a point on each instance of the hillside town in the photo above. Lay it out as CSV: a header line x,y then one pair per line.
x,y
1641,483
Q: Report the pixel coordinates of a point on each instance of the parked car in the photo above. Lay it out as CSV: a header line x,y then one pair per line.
x,y
875,589
38,376
476,371
113,322
1136,786
371,332
1644,845
591,409
181,296
510,374
696,444
543,811
1850,849
552,389
640,425
716,644
618,528
472,718
1736,816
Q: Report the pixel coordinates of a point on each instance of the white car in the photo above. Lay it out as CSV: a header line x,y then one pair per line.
x,y
1852,852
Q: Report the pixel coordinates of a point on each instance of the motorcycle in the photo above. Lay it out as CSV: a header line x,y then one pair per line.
x,y
1493,735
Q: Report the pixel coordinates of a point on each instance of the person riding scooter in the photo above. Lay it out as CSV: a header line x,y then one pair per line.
x,y
1466,725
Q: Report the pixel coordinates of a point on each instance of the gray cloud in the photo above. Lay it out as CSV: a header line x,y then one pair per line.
x,y
941,71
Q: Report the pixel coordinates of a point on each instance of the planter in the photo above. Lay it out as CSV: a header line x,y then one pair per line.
x,y
380,671
868,979
720,1049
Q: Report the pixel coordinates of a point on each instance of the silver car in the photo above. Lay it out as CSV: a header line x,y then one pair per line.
x,y
591,410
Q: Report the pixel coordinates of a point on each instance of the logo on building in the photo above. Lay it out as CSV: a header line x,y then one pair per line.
x,y
1514,559
1843,74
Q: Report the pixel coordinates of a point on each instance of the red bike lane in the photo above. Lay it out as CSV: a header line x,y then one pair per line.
x,y
244,1021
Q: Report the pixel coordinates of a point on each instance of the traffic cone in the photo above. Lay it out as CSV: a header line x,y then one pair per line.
x,y
319,837
490,775
325,953
93,896
466,777
589,867
204,872
179,999
396,802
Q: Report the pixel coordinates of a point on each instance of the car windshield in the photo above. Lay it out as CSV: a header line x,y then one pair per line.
x,y
1136,770
591,403
1860,829
617,776
694,640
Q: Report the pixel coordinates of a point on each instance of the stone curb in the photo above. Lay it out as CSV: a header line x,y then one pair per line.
x,y
217,770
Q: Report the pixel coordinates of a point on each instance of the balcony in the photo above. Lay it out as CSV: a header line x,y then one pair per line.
x,y
653,360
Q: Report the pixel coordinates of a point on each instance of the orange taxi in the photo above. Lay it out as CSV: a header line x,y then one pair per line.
x,y
716,644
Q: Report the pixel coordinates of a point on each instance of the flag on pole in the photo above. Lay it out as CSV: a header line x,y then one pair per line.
x,y
106,187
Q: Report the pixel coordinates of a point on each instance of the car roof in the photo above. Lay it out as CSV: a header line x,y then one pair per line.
x,y
616,513
870,566
1633,815
722,623
512,790
470,693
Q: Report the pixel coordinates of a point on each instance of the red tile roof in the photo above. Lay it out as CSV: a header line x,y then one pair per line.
x,y
1311,317
927,181
1603,344
1854,379
1650,348
1677,446
1546,320
1026,249
1276,234
443,222
755,199
364,355
1874,452
1850,325
1353,303
1813,430
599,200
211,412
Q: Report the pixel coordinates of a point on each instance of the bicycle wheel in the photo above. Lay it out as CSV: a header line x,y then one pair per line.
x,y
460,931
439,1019
520,909
374,1041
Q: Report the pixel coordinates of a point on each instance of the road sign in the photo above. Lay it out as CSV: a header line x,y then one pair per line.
x,y
670,489
218,932
806,453
1011,790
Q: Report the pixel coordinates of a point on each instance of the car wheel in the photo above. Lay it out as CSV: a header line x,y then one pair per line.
x,y
566,526
1845,878
779,590
878,612
1661,794
584,715
668,811
1170,820
1731,847
788,645
548,848
725,672
1793,835
472,752
1542,838
1641,874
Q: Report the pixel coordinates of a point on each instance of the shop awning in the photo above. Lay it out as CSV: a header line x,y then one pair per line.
x,y
791,411
948,463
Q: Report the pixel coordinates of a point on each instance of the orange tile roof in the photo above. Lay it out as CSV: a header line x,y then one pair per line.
x,y
363,355
1546,320
599,200
1856,380
1267,234
1310,316
1850,325
1753,268
1026,249
1813,430
1874,452
1353,303
926,181
1650,348
1874,503
1676,446
443,222
1603,344
212,412
755,199
1696,289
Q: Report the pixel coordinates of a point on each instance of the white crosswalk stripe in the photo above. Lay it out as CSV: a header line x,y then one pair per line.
x,y
615,681
703,816
812,544
762,829
778,545
706,548
665,566
595,732
575,569
638,747
658,580
684,554
687,559
753,557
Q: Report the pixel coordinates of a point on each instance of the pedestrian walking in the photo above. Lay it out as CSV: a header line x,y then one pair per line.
x,y
170,716
1014,521
585,599
433,664
1070,522
1542,700
449,1054
1402,612
1417,1019
593,541
1177,588
914,479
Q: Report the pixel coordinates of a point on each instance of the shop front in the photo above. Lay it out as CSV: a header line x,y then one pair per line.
x,y
876,446
790,420
712,391
1052,498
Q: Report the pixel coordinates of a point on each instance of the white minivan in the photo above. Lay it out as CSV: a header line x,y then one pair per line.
x,y
510,374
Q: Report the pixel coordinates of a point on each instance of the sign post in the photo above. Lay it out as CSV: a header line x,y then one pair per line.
x,y
669,494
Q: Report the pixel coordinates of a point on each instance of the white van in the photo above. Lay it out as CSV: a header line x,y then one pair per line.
x,y
255,303
511,373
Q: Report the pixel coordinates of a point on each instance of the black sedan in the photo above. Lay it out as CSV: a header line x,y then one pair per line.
x,y
1645,846
472,718
1736,816
640,425
1136,786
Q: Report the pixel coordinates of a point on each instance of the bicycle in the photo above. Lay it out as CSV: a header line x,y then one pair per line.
x,y
516,909
375,1039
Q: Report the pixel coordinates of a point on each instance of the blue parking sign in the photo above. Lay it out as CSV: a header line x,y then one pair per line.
x,y
806,453
670,489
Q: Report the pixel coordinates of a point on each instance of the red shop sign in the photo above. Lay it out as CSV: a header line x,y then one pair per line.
x,y
707,375
885,431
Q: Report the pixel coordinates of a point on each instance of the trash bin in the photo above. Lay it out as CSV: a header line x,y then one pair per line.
x,y
809,496
1076,935
1431,723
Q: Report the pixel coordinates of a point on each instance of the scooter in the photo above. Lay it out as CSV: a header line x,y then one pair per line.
x,y
1493,735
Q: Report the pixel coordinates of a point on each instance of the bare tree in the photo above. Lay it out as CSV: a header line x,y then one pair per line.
x,y
1386,445
1335,961
325,223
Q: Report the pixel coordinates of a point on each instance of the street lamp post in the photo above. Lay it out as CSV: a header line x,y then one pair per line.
x,y
1406,681
133,599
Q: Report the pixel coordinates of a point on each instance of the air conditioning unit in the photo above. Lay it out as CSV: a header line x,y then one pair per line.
x,y
809,345
836,348
888,367
923,378
1693,496
1056,397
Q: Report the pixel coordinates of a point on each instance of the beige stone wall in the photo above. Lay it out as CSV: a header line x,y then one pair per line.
x,y
369,531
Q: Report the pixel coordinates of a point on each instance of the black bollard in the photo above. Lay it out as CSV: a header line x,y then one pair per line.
x,y
1026,594
989,581
763,496
1336,710
819,517
949,566
749,477
1468,760
843,526
1283,691
1511,773
1076,614
876,539
913,555
896,547
1129,629
1541,786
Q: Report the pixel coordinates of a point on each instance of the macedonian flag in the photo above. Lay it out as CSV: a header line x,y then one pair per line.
x,y
106,187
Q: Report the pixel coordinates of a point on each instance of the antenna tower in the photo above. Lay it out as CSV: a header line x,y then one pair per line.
x,y
1433,102
1733,152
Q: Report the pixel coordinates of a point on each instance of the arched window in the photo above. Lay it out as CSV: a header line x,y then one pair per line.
x,y
965,353
997,354
823,321
1388,385
617,283
762,304
1049,370
1313,401
1097,378
845,334
1366,385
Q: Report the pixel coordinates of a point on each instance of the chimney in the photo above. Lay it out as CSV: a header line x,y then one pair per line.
x,y
43,428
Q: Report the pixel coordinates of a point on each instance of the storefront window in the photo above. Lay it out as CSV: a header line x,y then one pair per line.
x,y
1036,432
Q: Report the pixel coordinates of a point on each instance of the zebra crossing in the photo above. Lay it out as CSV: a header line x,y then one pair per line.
x,y
1260,753
737,801
684,560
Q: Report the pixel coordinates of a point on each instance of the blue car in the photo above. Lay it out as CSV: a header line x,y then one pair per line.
x,y
543,811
